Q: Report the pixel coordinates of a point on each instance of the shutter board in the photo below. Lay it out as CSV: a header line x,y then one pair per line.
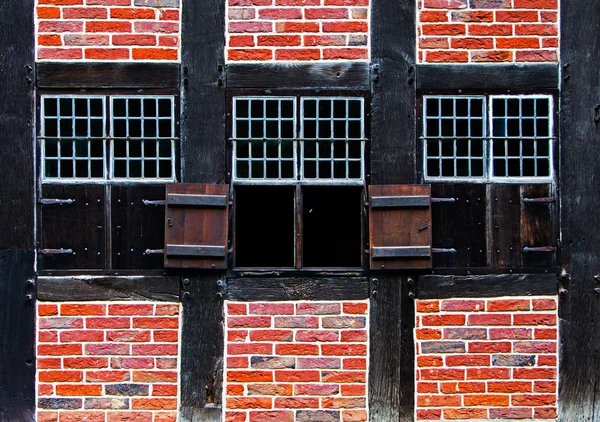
x,y
196,223
538,225
400,226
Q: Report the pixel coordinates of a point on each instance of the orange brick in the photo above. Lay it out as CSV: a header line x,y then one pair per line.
x,y
78,390
82,310
485,400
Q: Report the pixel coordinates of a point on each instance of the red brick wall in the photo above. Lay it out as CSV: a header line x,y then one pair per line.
x,y
107,362
288,30
296,361
486,358
120,30
492,31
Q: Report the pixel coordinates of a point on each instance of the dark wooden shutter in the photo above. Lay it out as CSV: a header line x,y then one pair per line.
x,y
400,226
196,221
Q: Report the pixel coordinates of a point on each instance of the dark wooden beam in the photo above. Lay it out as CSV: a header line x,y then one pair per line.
x,y
77,288
393,53
345,75
107,75
488,77
203,139
301,288
579,386
445,286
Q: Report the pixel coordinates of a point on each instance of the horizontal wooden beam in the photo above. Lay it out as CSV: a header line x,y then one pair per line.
x,y
107,75
74,288
482,77
401,252
299,76
189,200
301,288
490,285
400,201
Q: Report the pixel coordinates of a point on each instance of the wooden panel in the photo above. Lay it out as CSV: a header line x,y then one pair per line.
x,y
298,75
137,218
399,227
482,76
196,226
391,354
298,288
17,342
459,225
489,285
400,202
78,288
538,224
505,231
201,349
197,200
203,140
79,226
107,75
579,387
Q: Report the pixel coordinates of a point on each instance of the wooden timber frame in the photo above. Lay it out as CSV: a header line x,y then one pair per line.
x,y
393,78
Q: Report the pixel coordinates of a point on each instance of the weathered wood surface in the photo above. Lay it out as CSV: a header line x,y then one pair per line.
x,y
77,288
489,285
107,75
579,387
202,348
300,288
203,145
393,54
505,228
391,355
299,75
480,76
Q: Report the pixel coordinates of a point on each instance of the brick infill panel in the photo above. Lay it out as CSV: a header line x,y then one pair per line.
x,y
108,361
296,361
486,359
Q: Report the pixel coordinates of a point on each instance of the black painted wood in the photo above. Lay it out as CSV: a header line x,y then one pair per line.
x,y
391,356
78,288
505,230
400,202
489,285
201,349
298,75
197,200
481,76
107,75
393,52
300,288
203,139
579,390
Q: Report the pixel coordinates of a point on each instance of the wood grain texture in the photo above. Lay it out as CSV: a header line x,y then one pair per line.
x,y
345,75
505,226
201,349
480,76
538,225
488,285
297,288
579,387
203,139
107,75
81,288
391,355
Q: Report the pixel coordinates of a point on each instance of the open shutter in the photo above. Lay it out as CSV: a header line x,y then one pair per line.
x,y
400,226
196,221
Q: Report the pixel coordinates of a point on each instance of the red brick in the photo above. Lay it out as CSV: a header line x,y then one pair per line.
x,y
349,26
296,402
86,416
237,308
473,43
166,363
534,347
241,41
485,400
438,400
432,16
428,306
279,40
241,54
465,413
78,390
297,376
545,413
443,29
271,308
462,387
434,320
492,56
129,336
249,322
60,322
318,308
537,56
345,53
153,404
478,29
63,26
344,403
428,334
344,350
47,310
156,322
508,413
107,349
48,363
325,13
85,363
237,27
534,373
355,308
61,2
59,349
518,42
298,54
345,2
473,16
235,390
83,40
354,335
317,335
157,27
132,363
111,322
443,374
107,376
168,15
154,376
508,304
467,360
250,376
489,347
536,29
81,336
128,13
427,387
129,309
510,333
355,363
432,414
549,42
426,361
250,349
249,403
490,319
60,376
546,360
237,362
317,389
237,335
535,319
279,13
155,349
318,362
48,13
164,390
533,400
270,389
167,336
517,16
129,416
45,389
488,373
535,4
272,416
509,387
544,387
107,26
84,13
48,336
167,309
445,4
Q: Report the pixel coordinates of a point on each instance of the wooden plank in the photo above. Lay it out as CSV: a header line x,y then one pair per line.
x,y
579,386
137,218
489,285
201,349
399,227
481,76
402,252
195,226
78,288
393,54
344,75
79,226
459,225
196,250
297,288
107,75
197,200
400,202
505,230
538,226
203,139
391,354
17,342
